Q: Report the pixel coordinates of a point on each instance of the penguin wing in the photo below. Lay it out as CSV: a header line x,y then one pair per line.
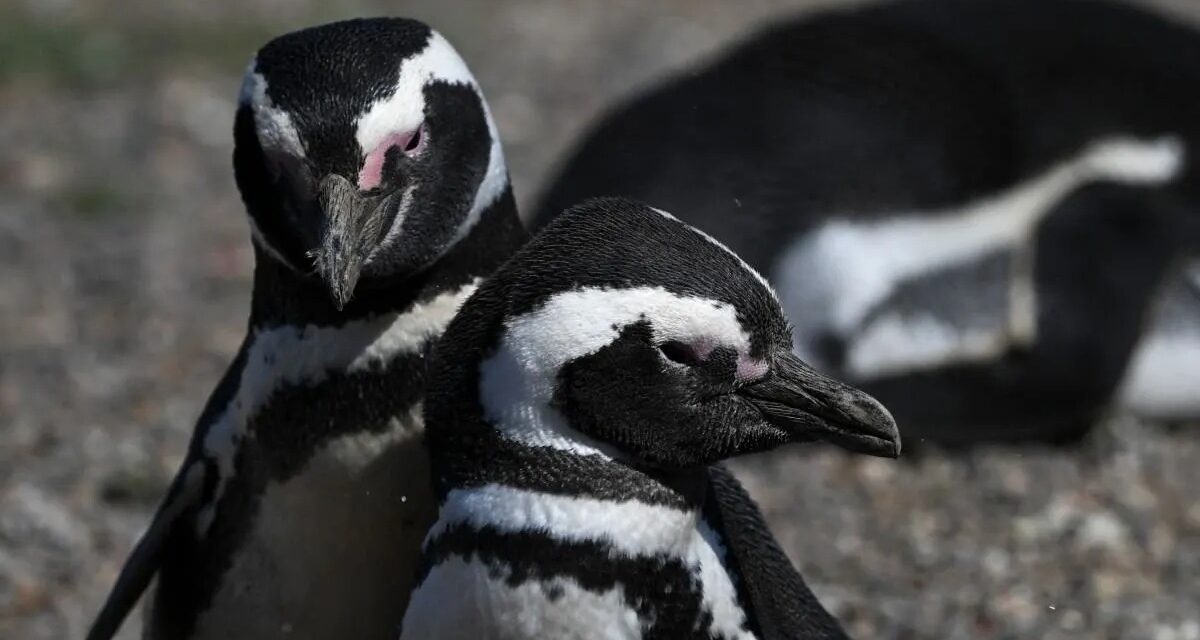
x,y
968,311
186,492
771,590
183,499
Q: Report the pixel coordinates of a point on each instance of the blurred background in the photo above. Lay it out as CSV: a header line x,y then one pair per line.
x,y
124,283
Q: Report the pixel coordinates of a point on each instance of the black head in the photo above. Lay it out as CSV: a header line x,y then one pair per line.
x,y
622,331
364,149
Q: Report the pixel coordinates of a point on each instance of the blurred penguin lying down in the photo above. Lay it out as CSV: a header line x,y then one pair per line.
x,y
985,213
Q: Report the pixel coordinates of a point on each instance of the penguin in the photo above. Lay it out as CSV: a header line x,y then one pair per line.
x,y
574,407
378,197
983,213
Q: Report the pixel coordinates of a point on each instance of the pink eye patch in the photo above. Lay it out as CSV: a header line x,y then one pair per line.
x,y
749,369
371,174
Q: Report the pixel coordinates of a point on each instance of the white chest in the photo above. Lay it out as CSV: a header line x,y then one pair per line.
x,y
470,600
333,550
466,597
298,356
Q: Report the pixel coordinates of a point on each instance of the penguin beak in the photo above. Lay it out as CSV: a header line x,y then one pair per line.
x,y
353,226
810,406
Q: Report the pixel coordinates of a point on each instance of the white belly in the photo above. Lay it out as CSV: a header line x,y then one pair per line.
x,y
1163,380
468,600
464,598
1163,377
333,551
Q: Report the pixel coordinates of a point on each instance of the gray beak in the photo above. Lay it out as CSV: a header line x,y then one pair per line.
x,y
810,406
353,228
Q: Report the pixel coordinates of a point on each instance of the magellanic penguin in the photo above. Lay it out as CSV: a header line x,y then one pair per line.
x,y
378,197
574,407
977,211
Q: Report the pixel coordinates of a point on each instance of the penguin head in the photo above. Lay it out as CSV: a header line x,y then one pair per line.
x,y
622,331
363,150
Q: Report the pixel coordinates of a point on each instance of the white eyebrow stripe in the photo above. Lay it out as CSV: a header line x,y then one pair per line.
x,y
273,126
517,382
404,108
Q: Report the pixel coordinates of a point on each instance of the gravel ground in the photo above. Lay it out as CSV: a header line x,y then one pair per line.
x,y
124,267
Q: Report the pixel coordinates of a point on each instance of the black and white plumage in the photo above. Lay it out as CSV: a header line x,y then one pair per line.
x,y
970,209
574,407
378,197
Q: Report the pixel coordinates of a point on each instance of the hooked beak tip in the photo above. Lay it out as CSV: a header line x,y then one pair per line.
x,y
871,437
875,424
341,287
340,298
811,405
339,274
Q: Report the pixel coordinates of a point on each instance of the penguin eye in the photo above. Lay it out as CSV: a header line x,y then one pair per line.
x,y
680,353
415,140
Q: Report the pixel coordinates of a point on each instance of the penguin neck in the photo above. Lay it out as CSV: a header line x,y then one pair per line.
x,y
484,457
285,296
569,497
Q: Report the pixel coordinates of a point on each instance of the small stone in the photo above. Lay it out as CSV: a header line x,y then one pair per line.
x,y
27,513
30,596
996,562
1102,530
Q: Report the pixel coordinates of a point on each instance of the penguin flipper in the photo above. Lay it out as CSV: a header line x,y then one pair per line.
x,y
1099,260
771,590
144,561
